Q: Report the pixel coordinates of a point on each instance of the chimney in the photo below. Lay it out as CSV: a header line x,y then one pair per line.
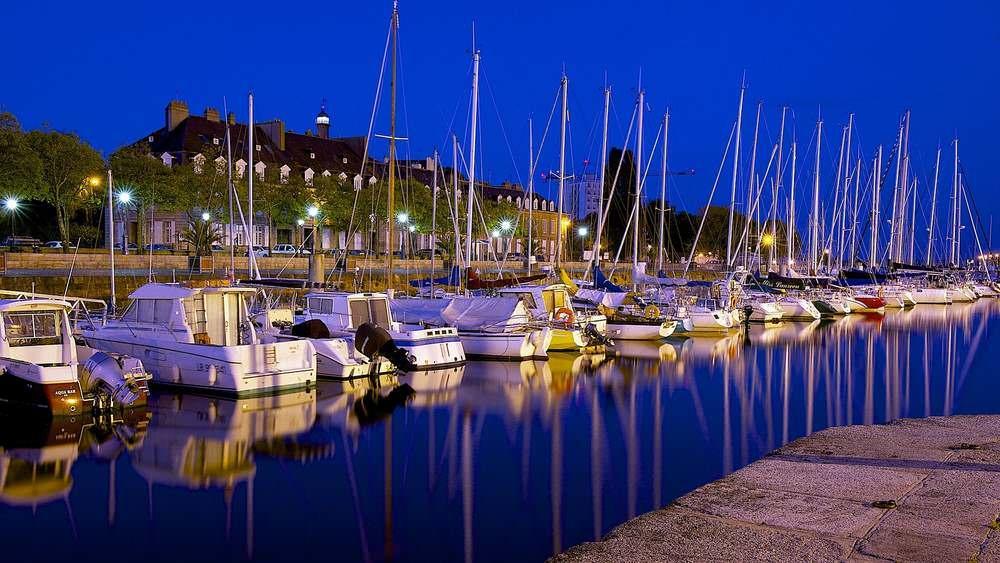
x,y
275,131
231,118
176,112
212,114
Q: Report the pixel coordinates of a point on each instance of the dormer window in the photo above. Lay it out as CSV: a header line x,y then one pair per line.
x,y
150,139
344,160
215,140
342,176
312,155
258,148
308,176
167,158
241,168
259,169
283,173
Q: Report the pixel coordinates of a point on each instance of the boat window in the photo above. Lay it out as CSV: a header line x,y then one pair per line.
x,y
130,313
380,312
32,329
322,306
157,311
359,313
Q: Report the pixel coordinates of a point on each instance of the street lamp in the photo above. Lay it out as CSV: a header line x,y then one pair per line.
x,y
11,204
402,217
205,216
124,198
300,222
312,212
582,233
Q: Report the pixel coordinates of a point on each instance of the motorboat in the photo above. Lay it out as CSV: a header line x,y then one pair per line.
x,y
201,337
499,328
343,313
40,367
572,329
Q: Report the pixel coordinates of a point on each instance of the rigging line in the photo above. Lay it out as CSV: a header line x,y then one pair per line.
x,y
503,130
642,187
708,205
614,182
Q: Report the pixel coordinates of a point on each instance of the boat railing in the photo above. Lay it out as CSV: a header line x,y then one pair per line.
x,y
82,309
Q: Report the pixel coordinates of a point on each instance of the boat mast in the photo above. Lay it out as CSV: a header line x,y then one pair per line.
x,y
846,186
663,191
472,158
230,188
111,237
814,249
772,249
391,213
876,189
530,251
930,227
251,255
434,216
752,195
854,214
736,170
638,179
454,183
905,155
953,254
562,167
895,194
604,170
913,219
790,228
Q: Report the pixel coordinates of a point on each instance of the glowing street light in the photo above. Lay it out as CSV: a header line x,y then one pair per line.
x,y
767,240
312,212
300,222
582,231
124,197
205,216
94,181
402,217
506,226
495,233
11,204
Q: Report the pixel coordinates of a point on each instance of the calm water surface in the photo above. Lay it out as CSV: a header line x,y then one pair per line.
x,y
493,462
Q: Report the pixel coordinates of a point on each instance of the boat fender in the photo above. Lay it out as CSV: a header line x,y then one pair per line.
x,y
651,312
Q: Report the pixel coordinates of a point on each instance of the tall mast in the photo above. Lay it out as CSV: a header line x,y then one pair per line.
x,y
251,255
815,209
111,237
913,219
230,188
472,158
953,253
854,214
562,167
736,170
530,251
434,216
876,192
604,171
454,183
790,228
905,155
752,194
846,187
663,191
837,188
394,30
638,178
774,193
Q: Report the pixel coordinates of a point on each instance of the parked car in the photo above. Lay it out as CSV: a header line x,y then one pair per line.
x,y
216,247
22,242
58,244
425,254
261,251
132,247
288,250
357,252
158,248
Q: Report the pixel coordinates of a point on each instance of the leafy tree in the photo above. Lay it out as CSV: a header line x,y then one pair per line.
x,y
67,163
20,167
201,235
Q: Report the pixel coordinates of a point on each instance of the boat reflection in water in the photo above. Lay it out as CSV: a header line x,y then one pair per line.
x,y
511,460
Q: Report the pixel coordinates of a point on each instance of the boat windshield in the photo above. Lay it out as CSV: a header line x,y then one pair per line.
x,y
375,311
32,328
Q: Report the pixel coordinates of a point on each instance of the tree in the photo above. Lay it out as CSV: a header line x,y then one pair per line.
x,y
67,163
20,167
201,235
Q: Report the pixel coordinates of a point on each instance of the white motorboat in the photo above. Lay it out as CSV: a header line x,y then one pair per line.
x,y
343,313
202,338
573,329
499,328
798,309
40,368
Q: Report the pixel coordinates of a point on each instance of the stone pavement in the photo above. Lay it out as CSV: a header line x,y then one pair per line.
x,y
913,490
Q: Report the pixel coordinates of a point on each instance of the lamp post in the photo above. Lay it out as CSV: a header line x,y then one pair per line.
x,y
582,232
124,198
11,204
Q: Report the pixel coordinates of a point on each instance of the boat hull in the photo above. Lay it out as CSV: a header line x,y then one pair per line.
x,y
931,296
53,399
640,330
533,345
243,370
798,310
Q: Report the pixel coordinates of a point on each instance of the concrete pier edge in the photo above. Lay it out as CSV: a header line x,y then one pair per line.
x,y
913,489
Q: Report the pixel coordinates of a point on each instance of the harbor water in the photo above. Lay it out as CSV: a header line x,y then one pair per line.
x,y
490,462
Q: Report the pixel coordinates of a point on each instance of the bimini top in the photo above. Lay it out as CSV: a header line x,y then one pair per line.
x,y
177,291
8,304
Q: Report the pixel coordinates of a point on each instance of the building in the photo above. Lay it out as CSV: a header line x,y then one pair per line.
x,y
279,153
588,191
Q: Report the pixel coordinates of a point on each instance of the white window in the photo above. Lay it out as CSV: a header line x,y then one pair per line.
x,y
283,173
258,235
535,203
308,175
241,168
32,328
259,168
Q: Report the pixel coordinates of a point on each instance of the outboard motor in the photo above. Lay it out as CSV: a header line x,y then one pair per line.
x,y
375,342
115,380
594,336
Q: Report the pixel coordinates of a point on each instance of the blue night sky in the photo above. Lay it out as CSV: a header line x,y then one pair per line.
x,y
107,71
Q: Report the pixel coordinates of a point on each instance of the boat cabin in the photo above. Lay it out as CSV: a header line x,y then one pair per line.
x,y
542,299
36,331
216,316
348,311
